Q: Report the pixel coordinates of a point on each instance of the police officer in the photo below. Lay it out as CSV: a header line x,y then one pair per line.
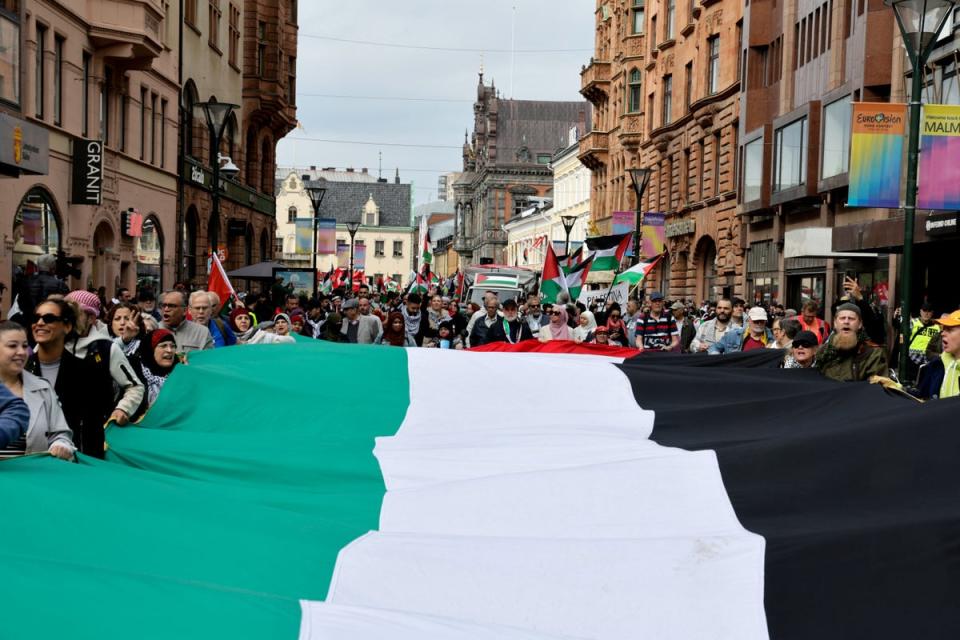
x,y
924,340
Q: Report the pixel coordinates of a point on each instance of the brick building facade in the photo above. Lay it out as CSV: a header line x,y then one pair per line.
x,y
664,82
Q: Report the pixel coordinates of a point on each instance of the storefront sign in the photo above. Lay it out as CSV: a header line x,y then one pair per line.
x,y
236,227
681,228
87,172
197,175
24,147
876,154
944,224
938,186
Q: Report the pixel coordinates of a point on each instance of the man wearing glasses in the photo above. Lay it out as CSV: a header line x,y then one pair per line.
x,y
189,335
756,335
534,315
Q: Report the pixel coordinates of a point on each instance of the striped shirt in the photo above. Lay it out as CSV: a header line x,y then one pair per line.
x,y
656,332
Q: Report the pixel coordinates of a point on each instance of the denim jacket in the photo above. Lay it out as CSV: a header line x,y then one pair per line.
x,y
732,341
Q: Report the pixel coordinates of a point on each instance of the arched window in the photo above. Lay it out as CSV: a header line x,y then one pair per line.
x,y
36,231
149,251
190,230
634,91
291,214
189,120
266,167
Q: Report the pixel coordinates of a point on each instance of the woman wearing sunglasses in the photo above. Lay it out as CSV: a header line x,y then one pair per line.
x,y
84,402
557,328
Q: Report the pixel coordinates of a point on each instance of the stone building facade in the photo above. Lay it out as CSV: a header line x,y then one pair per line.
x,y
506,162
92,91
242,52
664,82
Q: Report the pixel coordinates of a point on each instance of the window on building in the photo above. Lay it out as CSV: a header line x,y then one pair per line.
x,y
686,177
153,128
190,12
836,138
752,170
634,91
10,52
717,140
398,248
378,248
637,16
688,85
790,155
85,100
291,80
143,123
278,246
370,219
650,100
291,214
262,49
234,44
104,118
214,14
669,24
701,168
124,111
713,64
667,99
543,158
653,32
57,80
163,132
40,77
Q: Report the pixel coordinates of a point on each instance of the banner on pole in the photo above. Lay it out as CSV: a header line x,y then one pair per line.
x,y
938,186
625,222
327,236
653,235
876,154
359,256
304,232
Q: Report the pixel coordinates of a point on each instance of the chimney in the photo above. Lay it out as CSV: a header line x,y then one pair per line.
x,y
364,171
313,167
305,177
396,179
329,168
349,169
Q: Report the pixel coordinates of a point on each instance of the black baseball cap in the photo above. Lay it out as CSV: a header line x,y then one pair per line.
x,y
509,302
805,339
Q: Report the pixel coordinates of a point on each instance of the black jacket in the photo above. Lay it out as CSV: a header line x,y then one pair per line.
x,y
519,330
85,403
931,379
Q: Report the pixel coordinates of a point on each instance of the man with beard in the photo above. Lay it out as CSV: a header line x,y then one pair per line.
x,y
490,316
510,328
534,317
848,355
415,321
712,331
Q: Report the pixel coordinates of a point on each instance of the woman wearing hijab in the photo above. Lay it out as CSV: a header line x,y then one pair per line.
x,y
557,329
395,333
616,327
47,430
588,324
243,324
158,357
281,324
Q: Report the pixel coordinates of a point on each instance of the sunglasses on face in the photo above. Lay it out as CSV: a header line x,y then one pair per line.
x,y
802,346
49,318
554,313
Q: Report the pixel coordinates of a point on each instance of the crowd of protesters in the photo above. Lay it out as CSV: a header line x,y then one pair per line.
x,y
76,360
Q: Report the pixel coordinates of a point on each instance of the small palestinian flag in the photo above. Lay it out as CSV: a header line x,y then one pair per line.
x,y
608,251
496,280
554,281
635,274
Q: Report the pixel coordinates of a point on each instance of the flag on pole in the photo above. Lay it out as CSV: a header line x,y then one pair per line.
x,y
426,256
635,274
555,280
459,281
418,284
219,284
608,251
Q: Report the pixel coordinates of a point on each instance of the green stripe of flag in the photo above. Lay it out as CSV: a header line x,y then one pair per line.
x,y
216,516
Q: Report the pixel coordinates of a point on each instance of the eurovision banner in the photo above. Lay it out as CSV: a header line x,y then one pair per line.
x,y
327,236
304,229
938,185
359,256
343,254
876,154
653,235
625,222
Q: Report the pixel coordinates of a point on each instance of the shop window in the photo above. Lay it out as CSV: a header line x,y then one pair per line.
x,y
149,252
790,156
36,231
836,138
10,54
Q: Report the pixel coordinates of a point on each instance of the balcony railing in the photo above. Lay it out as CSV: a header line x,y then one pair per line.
x,y
595,80
130,27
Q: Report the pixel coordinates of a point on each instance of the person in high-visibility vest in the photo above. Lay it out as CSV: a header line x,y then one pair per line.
x,y
810,322
924,340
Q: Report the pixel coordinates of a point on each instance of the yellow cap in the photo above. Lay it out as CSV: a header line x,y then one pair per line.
x,y
952,320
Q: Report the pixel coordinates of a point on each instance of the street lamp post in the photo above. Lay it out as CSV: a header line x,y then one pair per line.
x,y
568,222
640,179
316,193
920,21
352,229
216,115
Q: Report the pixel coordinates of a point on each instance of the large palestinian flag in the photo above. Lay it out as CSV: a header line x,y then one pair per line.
x,y
263,498
608,251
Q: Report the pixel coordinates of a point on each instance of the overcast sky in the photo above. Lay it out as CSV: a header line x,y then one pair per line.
x,y
330,67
